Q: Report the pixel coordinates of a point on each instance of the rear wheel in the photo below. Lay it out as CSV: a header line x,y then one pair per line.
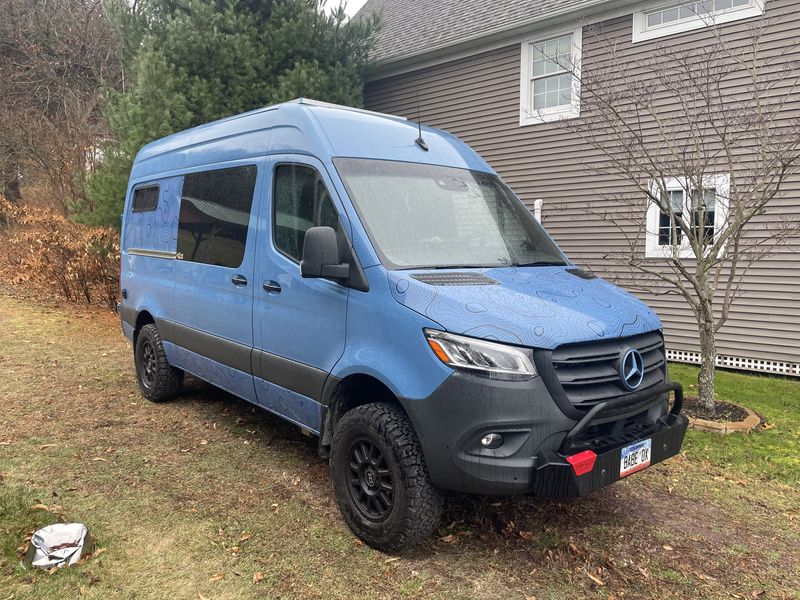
x,y
381,480
158,380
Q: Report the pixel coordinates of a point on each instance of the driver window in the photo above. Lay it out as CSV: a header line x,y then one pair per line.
x,y
300,201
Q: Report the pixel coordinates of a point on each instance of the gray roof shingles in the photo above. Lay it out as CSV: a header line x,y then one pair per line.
x,y
416,27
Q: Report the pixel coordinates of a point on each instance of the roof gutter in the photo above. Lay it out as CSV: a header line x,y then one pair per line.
x,y
498,37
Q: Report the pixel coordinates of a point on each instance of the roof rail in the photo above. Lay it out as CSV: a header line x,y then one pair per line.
x,y
310,102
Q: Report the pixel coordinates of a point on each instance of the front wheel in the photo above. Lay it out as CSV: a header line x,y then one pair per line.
x,y
158,380
380,478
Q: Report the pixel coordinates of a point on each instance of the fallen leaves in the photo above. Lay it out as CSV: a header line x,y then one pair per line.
x,y
574,549
257,576
217,577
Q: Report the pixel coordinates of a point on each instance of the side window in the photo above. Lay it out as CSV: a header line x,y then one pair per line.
x,y
145,199
300,201
215,214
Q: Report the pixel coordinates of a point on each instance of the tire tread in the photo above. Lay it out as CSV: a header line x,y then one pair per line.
x,y
425,503
169,380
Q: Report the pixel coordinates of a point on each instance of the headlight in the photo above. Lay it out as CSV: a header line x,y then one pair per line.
x,y
480,357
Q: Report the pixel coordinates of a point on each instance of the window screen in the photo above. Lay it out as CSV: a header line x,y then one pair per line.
x,y
693,10
215,214
300,201
667,234
145,199
552,80
706,216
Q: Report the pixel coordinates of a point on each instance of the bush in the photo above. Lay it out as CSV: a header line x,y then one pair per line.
x,y
52,255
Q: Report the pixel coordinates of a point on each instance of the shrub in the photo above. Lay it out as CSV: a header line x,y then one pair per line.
x,y
52,255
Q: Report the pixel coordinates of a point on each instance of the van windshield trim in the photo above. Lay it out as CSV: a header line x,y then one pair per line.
x,y
546,252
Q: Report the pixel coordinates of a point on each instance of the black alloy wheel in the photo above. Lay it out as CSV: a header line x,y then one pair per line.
x,y
380,478
371,483
158,380
147,364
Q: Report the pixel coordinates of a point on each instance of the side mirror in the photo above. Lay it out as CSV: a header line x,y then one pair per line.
x,y
321,255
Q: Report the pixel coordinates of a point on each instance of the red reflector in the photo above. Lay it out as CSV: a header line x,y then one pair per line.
x,y
582,462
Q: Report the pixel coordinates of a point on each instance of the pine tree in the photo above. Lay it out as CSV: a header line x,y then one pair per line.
x,y
192,61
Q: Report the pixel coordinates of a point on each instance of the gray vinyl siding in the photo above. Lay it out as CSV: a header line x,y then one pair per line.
x,y
477,99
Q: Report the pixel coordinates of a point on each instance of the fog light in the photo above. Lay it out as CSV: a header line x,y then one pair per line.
x,y
492,441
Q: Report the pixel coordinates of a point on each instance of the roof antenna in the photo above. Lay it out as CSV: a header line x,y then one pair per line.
x,y
419,141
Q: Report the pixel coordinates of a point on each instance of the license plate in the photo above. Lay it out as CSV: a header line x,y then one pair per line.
x,y
635,457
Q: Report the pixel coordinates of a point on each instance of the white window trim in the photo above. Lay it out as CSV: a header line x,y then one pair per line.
x,y
641,33
721,182
529,116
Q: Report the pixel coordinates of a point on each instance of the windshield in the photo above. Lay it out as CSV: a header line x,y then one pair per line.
x,y
427,216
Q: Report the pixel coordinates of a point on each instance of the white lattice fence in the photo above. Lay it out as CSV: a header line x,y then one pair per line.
x,y
738,362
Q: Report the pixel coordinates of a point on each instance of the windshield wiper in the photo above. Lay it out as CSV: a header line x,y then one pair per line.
x,y
540,263
458,267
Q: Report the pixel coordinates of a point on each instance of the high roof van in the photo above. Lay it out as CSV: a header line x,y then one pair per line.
x,y
377,284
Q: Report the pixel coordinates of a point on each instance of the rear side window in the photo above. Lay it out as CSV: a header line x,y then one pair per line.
x,y
300,201
145,199
215,214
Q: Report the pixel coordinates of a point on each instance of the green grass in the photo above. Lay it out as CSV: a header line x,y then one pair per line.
x,y
168,490
770,453
18,518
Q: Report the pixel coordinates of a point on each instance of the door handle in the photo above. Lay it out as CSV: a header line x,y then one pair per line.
x,y
273,287
239,280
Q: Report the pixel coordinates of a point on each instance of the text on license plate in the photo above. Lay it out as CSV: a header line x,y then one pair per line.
x,y
635,457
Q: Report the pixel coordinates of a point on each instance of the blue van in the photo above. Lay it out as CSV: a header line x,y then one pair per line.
x,y
379,286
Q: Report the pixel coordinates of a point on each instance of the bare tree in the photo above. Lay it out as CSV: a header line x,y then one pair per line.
x,y
55,56
704,137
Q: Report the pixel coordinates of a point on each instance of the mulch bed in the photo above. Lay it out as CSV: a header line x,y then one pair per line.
x,y
725,411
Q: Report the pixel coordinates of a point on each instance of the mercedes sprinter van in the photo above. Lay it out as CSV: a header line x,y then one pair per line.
x,y
380,286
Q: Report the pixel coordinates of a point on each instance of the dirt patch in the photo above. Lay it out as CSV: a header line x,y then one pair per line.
x,y
723,411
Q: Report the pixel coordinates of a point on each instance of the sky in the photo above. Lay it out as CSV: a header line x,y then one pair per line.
x,y
353,6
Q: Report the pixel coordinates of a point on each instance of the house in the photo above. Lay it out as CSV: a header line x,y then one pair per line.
x,y
470,67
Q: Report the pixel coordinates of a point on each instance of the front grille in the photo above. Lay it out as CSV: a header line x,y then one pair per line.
x,y
588,373
602,438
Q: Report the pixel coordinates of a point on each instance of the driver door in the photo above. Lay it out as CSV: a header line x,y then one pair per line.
x,y
299,324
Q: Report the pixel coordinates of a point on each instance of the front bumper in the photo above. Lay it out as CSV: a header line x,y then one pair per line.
x,y
538,436
554,477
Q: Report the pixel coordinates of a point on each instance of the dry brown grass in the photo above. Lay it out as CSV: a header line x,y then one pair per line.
x,y
169,490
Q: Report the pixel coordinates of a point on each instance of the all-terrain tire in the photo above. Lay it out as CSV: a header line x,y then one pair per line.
x,y
158,380
416,505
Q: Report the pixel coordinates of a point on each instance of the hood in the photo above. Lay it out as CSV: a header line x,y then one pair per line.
x,y
541,307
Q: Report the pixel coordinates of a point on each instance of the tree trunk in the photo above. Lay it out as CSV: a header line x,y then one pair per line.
x,y
708,356
9,184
